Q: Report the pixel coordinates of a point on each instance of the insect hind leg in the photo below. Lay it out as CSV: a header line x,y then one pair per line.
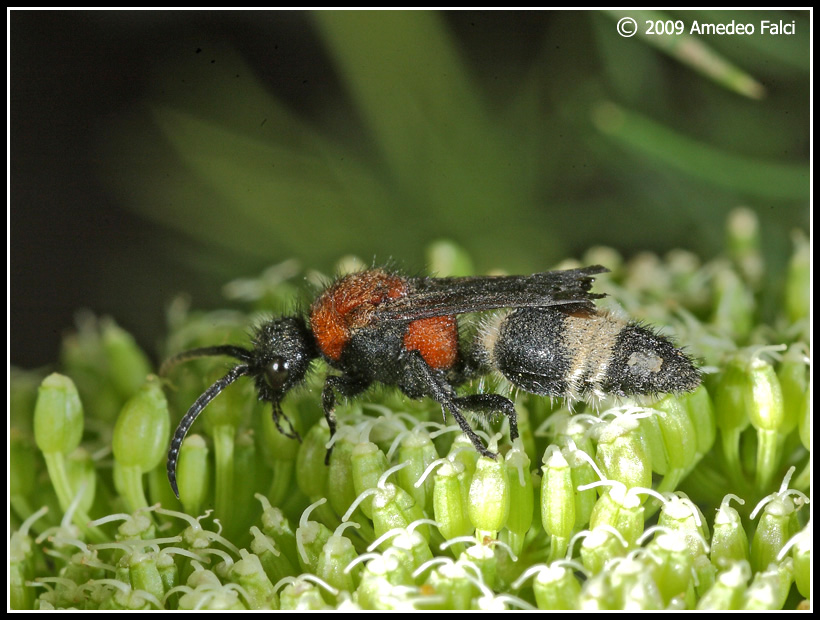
x,y
440,391
489,404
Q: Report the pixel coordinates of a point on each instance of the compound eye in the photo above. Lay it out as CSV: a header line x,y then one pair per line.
x,y
277,372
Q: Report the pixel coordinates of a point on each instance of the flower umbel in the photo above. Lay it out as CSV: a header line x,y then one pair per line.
x,y
620,506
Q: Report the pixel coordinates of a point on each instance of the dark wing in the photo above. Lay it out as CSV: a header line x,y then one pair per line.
x,y
431,297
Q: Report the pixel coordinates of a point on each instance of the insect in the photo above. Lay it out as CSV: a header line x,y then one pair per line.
x,y
376,326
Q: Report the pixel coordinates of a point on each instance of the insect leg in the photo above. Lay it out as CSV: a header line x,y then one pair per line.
x,y
491,403
442,393
346,386
279,414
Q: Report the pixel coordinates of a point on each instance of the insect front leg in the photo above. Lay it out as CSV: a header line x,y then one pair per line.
x,y
442,393
346,386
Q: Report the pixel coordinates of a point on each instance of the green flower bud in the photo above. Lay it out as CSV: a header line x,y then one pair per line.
x,y
729,589
462,451
193,474
484,559
801,555
341,488
621,454
248,573
705,573
679,435
729,541
301,595
211,597
336,554
521,491
556,588
451,588
600,546
620,510
654,442
58,429
764,398
671,565
583,474
412,550
731,415
770,588
368,464
58,416
775,528
144,574
143,429
805,420
127,364
278,528
730,397
22,564
138,526
597,594
140,441
557,501
385,585
634,587
798,281
274,563
488,505
131,600
681,516
168,572
311,472
393,508
734,304
311,537
702,416
793,377
417,450
449,503
743,244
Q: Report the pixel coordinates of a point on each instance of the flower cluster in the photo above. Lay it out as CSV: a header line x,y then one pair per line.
x,y
691,501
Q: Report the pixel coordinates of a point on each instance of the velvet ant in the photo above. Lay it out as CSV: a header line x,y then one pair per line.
x,y
377,326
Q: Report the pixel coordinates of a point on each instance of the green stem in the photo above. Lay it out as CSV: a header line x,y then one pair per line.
x,y
55,462
133,491
223,437
766,458
730,440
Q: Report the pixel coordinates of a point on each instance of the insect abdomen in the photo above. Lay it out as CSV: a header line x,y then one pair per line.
x,y
555,353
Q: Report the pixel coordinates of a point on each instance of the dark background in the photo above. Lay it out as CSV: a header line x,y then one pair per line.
x,y
136,135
